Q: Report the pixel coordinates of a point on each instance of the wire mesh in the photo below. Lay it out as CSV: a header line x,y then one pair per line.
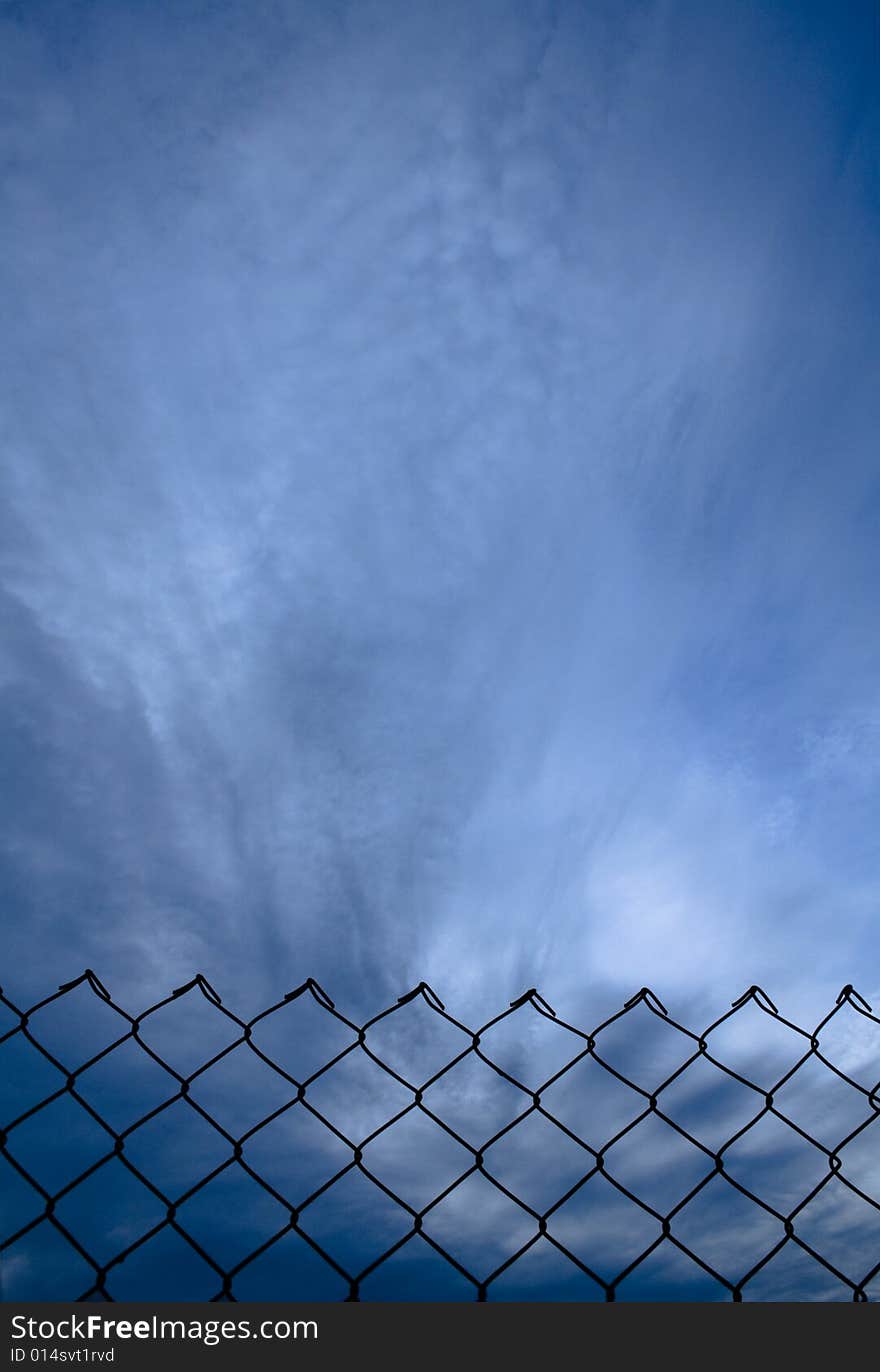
x,y
617,1112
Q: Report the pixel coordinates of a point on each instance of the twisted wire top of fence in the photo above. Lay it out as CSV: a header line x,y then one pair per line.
x,y
595,1168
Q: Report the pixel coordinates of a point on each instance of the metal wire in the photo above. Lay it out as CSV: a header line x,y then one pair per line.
x,y
651,1104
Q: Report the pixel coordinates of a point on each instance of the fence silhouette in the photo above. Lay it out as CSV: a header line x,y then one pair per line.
x,y
605,1118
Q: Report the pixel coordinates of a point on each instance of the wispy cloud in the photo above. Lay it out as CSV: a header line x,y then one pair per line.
x,y
438,499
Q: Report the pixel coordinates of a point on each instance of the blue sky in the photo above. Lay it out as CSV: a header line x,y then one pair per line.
x,y
439,500
438,525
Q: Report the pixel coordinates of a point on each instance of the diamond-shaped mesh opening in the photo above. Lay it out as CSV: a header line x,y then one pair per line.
x,y
592,1103
357,1096
843,1227
188,1031
543,1273
40,1264
603,1228
110,1210
657,1164
530,1047
775,1164
416,1041
709,1104
644,1048
289,1270
125,1085
475,1101
852,1043
860,1160
757,1046
26,1078
667,1274
231,1216
355,1221
19,1201
416,1159
479,1226
301,1037
296,1154
164,1268
240,1091
561,1162
35,1143
732,1234
416,1272
8,1019
821,1104
176,1149
792,1275
77,1026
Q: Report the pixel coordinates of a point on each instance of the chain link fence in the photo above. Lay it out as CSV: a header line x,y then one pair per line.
x,y
301,1155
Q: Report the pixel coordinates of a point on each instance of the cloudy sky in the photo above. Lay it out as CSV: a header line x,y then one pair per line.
x,y
440,498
